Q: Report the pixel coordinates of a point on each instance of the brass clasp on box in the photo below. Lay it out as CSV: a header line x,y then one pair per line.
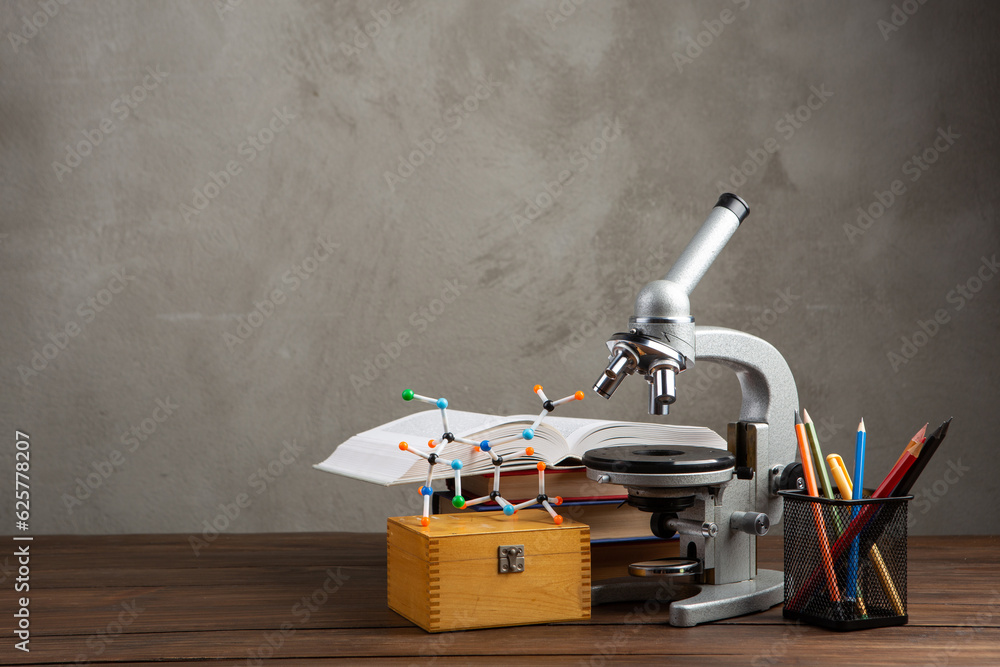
x,y
510,559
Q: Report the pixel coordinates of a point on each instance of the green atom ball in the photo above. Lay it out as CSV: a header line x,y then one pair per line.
x,y
458,502
407,394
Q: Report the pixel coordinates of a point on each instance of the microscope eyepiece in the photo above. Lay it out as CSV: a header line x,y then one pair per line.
x,y
734,204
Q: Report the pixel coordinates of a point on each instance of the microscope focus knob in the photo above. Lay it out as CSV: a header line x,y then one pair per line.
x,y
753,523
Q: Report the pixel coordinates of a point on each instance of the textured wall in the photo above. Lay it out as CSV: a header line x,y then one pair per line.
x,y
217,217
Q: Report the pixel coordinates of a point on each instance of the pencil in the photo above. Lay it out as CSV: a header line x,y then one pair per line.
x,y
859,494
818,460
926,452
808,473
915,442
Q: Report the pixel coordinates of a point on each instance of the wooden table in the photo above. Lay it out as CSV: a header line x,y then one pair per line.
x,y
307,598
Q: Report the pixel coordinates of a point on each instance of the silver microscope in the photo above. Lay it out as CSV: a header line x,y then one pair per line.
x,y
717,501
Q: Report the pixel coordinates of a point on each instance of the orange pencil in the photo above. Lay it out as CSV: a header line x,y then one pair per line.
x,y
810,474
913,446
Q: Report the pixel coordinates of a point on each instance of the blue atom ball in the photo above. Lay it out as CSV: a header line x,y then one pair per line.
x,y
508,510
442,403
485,445
528,434
456,465
426,490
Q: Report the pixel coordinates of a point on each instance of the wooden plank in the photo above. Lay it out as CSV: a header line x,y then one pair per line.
x,y
594,644
236,595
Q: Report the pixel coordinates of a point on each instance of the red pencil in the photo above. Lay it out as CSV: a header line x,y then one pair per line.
x,y
914,444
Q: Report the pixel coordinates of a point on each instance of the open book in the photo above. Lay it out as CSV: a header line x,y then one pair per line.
x,y
374,456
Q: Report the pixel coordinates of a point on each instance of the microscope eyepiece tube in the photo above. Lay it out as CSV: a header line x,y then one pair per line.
x,y
708,242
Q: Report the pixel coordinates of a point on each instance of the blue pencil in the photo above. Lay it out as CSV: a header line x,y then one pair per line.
x,y
859,478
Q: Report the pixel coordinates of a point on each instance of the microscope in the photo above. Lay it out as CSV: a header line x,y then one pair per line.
x,y
717,501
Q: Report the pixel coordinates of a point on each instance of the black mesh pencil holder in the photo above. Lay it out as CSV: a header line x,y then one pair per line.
x,y
845,561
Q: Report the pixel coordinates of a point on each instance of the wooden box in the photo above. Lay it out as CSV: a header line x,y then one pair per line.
x,y
451,576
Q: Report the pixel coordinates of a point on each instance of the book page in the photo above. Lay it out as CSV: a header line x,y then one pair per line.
x,y
610,434
422,426
374,455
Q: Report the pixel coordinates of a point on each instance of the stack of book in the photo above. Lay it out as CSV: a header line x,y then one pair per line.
x,y
619,533
600,506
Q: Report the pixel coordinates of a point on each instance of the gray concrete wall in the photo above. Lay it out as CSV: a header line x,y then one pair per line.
x,y
132,269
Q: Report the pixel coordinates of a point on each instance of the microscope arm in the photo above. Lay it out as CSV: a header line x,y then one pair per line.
x,y
769,396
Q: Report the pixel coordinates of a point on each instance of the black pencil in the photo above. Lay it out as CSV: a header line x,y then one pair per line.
x,y
926,452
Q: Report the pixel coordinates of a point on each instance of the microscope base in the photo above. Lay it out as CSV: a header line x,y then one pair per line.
x,y
698,603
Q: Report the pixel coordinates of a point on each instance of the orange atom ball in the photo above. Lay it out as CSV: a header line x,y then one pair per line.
x,y
424,521
578,395
540,466
557,519
529,451
537,388
403,446
430,443
558,500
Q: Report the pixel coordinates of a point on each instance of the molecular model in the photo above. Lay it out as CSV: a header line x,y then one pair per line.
x,y
447,437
